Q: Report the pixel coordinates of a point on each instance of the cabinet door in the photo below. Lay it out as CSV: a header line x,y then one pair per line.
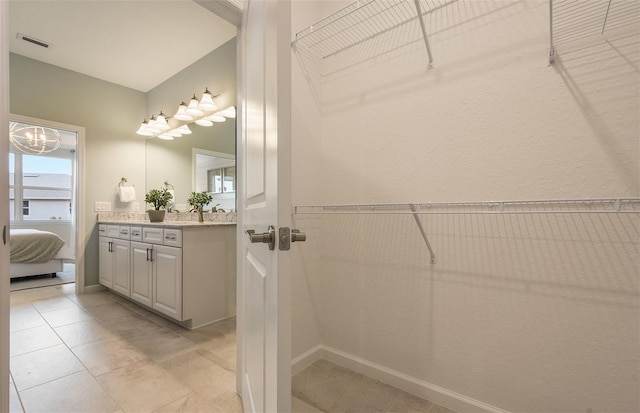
x,y
141,272
167,282
121,271
105,262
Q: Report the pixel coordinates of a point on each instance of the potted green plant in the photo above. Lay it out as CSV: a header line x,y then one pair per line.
x,y
197,200
159,198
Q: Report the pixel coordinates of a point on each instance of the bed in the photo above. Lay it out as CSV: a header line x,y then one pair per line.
x,y
36,252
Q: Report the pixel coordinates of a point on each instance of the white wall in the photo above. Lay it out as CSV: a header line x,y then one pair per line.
x,y
525,313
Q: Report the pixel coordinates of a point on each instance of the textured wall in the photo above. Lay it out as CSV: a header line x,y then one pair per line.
x,y
527,312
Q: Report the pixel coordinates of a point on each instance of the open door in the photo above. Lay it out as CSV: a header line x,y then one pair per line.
x,y
4,207
264,205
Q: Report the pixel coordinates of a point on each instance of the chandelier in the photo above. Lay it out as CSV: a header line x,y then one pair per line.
x,y
33,139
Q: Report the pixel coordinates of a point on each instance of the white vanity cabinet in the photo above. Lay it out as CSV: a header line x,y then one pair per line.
x,y
114,256
187,273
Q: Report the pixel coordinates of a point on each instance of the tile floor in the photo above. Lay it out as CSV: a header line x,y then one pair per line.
x,y
101,353
97,353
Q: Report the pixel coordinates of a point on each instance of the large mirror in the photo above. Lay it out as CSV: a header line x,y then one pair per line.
x,y
190,163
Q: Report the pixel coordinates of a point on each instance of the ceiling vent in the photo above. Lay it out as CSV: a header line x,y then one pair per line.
x,y
35,41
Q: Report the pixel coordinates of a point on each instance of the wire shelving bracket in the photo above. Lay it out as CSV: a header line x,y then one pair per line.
x,y
571,20
362,21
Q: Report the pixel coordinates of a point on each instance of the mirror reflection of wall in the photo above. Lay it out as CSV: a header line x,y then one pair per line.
x,y
173,161
214,172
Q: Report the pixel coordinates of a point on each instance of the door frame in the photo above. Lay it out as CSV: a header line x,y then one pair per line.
x,y
78,207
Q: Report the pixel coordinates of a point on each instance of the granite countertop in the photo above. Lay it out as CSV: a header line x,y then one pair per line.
x,y
172,220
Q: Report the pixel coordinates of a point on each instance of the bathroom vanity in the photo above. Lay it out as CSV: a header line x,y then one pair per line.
x,y
185,271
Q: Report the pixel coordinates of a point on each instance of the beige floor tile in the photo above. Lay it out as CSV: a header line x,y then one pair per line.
x,y
41,366
84,332
91,299
162,345
225,358
57,318
132,325
53,303
299,406
26,319
201,374
36,338
192,403
76,393
101,357
67,289
142,387
19,307
228,402
108,311
14,401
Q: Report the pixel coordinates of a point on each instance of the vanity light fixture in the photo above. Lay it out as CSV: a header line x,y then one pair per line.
x,y
33,139
161,122
206,103
216,118
182,113
204,122
229,112
193,108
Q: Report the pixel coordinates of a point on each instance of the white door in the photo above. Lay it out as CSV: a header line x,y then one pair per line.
x,y
122,266
4,206
105,262
264,200
167,280
141,272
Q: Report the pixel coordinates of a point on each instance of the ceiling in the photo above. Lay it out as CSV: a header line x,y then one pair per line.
x,y
137,44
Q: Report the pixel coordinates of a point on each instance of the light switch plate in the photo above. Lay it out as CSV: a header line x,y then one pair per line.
x,y
102,207
135,207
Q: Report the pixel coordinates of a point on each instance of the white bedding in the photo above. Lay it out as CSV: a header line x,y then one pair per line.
x,y
23,269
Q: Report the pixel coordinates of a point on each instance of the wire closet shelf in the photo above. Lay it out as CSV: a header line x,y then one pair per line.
x,y
362,21
569,206
572,20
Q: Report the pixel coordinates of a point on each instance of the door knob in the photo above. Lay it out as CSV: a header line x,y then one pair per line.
x,y
268,237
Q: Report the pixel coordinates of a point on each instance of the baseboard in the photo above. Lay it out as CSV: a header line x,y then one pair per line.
x,y
413,385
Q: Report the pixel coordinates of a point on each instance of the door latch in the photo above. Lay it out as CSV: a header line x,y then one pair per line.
x,y
287,236
268,237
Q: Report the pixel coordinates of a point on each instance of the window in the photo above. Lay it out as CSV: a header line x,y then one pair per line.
x,y
42,185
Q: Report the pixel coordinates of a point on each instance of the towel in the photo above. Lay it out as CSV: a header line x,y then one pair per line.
x,y
127,193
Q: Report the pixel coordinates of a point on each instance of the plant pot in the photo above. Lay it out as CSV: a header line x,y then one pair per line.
x,y
156,215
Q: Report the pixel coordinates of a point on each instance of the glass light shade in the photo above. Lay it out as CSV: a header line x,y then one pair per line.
x,y
206,103
216,118
204,122
150,126
184,129
143,130
34,139
182,113
229,112
192,109
165,137
173,133
161,122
